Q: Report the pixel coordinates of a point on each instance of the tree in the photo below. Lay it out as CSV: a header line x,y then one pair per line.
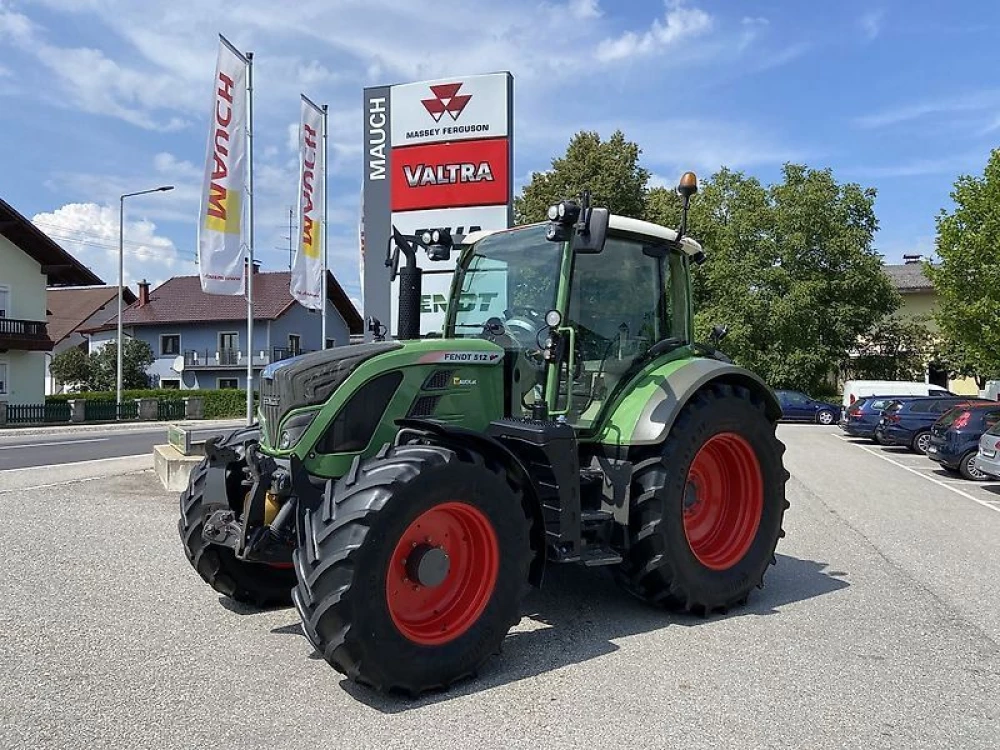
x,y
71,367
609,169
894,349
137,355
967,278
790,270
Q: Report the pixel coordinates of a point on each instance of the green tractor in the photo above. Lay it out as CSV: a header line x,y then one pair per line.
x,y
404,495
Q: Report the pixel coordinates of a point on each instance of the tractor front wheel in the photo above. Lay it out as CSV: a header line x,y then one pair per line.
x,y
707,505
412,571
257,584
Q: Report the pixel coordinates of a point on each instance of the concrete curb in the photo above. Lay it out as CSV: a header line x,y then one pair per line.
x,y
198,424
36,477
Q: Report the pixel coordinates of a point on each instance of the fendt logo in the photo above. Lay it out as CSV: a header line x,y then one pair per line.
x,y
446,99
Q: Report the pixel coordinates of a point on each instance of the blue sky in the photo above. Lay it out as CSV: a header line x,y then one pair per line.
x,y
101,97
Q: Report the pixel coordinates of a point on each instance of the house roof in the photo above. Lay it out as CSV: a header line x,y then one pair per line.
x,y
181,300
69,307
909,277
61,268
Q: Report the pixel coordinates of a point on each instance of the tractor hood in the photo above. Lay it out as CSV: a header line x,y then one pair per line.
x,y
310,379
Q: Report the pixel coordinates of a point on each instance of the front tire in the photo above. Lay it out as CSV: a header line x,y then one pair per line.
x,y
256,584
412,571
707,506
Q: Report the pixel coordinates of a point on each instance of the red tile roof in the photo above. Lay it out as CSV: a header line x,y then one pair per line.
x,y
69,307
181,300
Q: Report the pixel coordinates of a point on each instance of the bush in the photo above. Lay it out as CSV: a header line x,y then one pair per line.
x,y
219,404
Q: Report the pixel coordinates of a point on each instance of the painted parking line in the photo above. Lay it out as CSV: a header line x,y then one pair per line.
x,y
940,483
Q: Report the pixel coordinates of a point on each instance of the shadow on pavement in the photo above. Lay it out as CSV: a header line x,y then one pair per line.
x,y
577,615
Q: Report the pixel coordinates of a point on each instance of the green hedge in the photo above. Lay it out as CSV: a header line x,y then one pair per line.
x,y
219,404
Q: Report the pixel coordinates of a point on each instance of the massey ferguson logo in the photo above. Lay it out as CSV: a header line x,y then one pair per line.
x,y
446,99
419,175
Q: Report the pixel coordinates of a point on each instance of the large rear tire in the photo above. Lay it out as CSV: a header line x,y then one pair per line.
x,y
707,506
412,571
257,584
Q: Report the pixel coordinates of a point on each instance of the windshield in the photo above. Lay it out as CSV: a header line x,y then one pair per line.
x,y
512,274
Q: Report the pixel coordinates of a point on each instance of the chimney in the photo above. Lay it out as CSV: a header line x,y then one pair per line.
x,y
910,259
143,293
256,265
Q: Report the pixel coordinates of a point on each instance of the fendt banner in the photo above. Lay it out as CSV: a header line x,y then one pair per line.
x,y
221,248
438,154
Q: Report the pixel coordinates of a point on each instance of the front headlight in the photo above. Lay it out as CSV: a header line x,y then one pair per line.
x,y
293,428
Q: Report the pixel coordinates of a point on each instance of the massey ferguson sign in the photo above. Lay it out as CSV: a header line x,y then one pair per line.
x,y
437,154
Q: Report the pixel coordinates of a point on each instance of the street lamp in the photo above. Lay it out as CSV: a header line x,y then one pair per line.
x,y
121,271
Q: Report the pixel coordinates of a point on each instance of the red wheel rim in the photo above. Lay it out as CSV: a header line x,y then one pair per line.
x,y
723,501
435,614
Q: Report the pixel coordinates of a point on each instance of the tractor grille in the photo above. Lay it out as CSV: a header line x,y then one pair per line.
x,y
424,406
437,381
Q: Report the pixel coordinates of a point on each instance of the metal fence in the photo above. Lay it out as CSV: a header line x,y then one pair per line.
x,y
37,413
102,411
172,408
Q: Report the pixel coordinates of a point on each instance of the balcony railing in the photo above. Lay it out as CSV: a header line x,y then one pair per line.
x,y
25,335
222,359
279,353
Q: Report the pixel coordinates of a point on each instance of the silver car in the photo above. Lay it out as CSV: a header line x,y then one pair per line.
x,y
988,458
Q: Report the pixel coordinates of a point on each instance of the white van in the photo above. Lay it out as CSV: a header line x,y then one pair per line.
x,y
855,389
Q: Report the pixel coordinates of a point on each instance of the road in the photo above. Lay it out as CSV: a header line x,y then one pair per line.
x,y
53,449
877,628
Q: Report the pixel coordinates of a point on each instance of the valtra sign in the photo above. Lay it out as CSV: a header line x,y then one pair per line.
x,y
437,154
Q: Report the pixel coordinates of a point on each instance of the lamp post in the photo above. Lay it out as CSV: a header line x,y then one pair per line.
x,y
121,273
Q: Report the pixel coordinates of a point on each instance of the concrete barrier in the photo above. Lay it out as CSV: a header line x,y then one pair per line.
x,y
174,461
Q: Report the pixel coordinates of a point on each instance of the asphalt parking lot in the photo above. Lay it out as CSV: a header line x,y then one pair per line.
x,y
878,628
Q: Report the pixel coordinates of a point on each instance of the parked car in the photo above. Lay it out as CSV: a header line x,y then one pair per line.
x,y
909,422
855,389
800,407
988,458
861,418
954,441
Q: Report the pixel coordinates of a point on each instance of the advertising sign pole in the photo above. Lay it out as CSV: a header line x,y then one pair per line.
x,y
326,121
249,267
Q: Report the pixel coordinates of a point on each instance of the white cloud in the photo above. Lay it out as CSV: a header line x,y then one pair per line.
x,y
584,8
678,23
967,102
871,23
90,232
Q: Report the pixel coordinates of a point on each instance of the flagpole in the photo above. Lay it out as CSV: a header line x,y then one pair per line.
x,y
325,200
249,268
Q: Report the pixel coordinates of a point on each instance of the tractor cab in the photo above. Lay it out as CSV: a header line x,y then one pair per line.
x,y
577,320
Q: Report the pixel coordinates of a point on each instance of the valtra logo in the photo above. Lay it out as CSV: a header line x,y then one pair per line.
x,y
446,99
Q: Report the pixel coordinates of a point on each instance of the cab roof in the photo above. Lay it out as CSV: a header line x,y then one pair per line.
x,y
616,223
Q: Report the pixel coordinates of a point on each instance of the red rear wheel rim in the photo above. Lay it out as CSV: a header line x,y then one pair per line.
x,y
435,614
723,501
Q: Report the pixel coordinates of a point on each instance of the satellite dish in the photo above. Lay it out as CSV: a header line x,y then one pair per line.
x,y
178,365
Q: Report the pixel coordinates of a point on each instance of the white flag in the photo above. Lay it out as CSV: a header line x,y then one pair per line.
x,y
306,284
221,249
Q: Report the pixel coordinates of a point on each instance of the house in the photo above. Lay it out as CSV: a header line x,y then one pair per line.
x,y
200,340
72,310
30,262
919,305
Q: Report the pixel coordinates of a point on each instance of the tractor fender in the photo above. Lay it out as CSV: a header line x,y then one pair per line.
x,y
464,439
657,414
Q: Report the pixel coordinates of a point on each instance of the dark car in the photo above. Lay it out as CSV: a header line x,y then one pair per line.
x,y
861,418
909,422
954,440
800,407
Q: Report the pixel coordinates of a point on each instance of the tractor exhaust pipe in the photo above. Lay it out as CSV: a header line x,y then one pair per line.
x,y
408,326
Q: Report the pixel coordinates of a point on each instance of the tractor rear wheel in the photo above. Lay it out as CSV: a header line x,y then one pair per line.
x,y
257,584
707,505
412,571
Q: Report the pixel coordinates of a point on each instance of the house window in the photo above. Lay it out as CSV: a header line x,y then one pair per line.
x,y
228,383
4,301
294,343
3,378
170,344
170,385
229,341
